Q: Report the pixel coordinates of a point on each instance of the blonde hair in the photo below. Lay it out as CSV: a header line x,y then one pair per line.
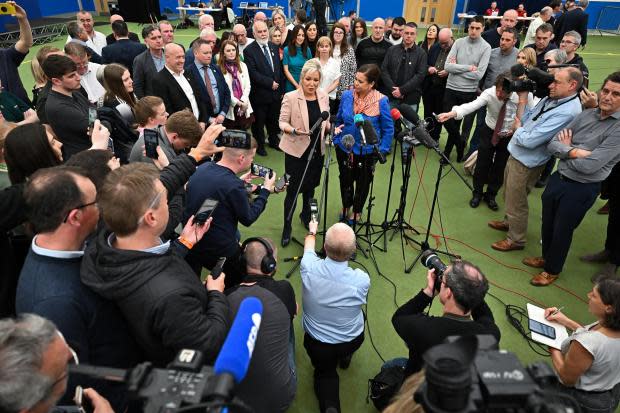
x,y
276,13
322,40
35,64
311,66
530,56
403,401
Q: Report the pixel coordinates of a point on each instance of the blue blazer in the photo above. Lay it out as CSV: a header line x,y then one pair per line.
x,y
222,89
383,124
123,51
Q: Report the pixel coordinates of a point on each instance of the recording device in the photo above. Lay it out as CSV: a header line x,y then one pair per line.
x,y
314,210
323,118
348,141
535,80
232,138
282,182
187,381
205,211
469,374
420,128
82,403
372,139
151,142
260,170
359,123
541,328
431,260
7,8
216,271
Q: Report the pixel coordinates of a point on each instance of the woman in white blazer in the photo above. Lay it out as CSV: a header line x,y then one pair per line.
x,y
237,77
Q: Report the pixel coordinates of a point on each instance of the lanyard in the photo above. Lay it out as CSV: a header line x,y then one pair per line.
x,y
545,109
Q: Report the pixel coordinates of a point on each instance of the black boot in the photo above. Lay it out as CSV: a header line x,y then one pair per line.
x,y
286,234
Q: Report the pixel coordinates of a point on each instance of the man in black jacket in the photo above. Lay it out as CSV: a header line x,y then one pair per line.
x,y
462,290
373,48
110,39
403,70
266,74
124,50
575,18
436,79
165,304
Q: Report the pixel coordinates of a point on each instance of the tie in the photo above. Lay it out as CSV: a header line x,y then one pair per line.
x,y
499,124
268,56
209,87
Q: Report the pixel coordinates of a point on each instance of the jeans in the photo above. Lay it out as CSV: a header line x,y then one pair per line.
x,y
594,402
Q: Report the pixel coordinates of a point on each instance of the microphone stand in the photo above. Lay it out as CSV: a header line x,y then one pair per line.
x,y
325,187
443,161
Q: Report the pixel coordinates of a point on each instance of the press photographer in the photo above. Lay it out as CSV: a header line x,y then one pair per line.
x,y
461,287
219,182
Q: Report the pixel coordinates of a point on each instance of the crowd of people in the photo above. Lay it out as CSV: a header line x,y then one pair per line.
x,y
106,167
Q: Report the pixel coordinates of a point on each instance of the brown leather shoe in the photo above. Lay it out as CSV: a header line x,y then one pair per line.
x,y
506,245
543,279
498,225
535,262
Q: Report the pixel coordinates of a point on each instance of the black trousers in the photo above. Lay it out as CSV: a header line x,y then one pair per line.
x,y
324,358
490,164
455,137
433,103
266,115
232,269
295,168
564,203
356,175
612,243
319,11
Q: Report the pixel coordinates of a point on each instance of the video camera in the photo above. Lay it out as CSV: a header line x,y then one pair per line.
x,y
469,374
232,138
534,80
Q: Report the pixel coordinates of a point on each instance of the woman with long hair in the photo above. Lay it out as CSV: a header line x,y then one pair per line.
x,y
278,19
312,36
357,164
119,91
296,54
237,77
40,80
589,359
359,32
330,72
301,108
527,57
275,36
345,55
430,38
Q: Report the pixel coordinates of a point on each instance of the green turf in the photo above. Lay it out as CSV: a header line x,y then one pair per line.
x,y
467,233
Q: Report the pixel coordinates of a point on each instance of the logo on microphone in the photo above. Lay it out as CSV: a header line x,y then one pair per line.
x,y
256,319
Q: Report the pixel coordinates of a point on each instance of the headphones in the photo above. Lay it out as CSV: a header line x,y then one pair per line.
x,y
267,264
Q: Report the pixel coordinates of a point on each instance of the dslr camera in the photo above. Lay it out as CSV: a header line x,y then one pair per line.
x,y
232,138
430,260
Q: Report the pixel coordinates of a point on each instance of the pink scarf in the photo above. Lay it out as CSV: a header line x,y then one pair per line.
x,y
231,68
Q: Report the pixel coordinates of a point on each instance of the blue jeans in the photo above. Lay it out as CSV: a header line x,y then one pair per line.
x,y
595,402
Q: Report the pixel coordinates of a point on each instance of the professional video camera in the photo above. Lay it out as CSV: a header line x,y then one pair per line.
x,y
469,374
535,80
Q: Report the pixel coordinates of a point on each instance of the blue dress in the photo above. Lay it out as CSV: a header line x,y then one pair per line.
x,y
295,64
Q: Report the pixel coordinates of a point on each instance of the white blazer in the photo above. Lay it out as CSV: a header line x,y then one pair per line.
x,y
244,76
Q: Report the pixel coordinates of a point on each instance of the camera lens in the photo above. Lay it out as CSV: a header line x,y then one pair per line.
x,y
4,9
431,261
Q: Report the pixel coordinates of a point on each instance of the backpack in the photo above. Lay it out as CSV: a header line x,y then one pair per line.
x,y
384,386
121,132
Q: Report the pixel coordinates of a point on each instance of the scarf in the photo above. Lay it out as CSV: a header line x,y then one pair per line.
x,y
368,105
231,68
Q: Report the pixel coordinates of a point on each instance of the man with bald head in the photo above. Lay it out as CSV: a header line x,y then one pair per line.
x,y
333,295
437,78
110,38
178,89
258,17
241,35
206,20
508,21
372,49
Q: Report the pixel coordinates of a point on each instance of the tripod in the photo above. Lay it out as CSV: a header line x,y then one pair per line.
x,y
425,245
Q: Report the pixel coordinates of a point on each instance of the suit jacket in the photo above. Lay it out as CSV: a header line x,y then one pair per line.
x,y
123,51
144,71
166,87
261,74
109,39
575,19
294,114
222,89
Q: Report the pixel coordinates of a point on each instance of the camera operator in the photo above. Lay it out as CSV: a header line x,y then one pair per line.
x,y
271,382
34,358
333,295
461,293
166,306
219,181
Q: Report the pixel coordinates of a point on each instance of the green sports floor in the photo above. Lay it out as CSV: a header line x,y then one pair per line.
x,y
466,234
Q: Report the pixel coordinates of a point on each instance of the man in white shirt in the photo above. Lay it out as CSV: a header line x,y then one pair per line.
x,y
241,34
87,70
96,40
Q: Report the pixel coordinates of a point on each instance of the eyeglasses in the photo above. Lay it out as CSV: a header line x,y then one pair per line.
x,y
152,204
567,42
338,32
78,207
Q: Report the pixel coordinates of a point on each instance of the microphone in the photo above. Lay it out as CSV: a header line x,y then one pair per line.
x,y
233,361
373,140
348,141
397,118
323,118
359,122
410,115
422,135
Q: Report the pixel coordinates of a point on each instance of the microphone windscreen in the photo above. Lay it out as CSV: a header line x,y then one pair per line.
x,y
517,70
409,114
423,136
358,119
370,132
395,114
325,115
236,352
348,141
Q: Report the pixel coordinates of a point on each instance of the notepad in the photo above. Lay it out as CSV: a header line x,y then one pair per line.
x,y
538,314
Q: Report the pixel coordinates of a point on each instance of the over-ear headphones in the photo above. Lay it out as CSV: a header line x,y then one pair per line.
x,y
267,264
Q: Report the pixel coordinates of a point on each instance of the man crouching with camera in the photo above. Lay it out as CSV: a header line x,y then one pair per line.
x,y
461,287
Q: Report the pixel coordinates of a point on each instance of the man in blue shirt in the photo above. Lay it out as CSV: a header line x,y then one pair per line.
x,y
528,151
333,295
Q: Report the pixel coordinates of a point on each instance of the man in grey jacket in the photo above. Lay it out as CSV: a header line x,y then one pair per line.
x,y
466,65
148,63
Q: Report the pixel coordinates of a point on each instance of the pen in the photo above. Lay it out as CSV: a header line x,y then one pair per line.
x,y
556,311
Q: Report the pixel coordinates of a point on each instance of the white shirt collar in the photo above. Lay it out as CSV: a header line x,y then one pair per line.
x,y
54,253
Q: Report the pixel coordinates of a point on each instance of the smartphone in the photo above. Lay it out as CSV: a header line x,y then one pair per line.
x,y
205,211
234,139
314,210
281,182
92,117
7,8
542,329
219,266
82,403
260,170
151,143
